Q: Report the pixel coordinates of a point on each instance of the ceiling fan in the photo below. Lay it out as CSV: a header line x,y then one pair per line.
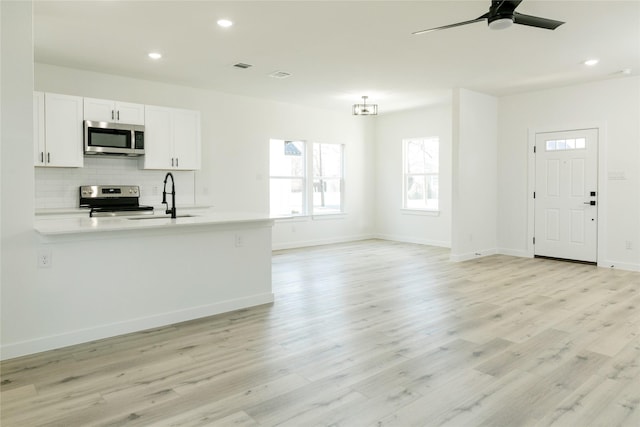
x,y
502,14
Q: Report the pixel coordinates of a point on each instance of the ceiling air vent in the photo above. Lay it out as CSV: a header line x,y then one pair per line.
x,y
242,65
280,75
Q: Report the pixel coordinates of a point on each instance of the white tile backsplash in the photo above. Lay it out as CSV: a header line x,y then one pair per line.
x,y
58,187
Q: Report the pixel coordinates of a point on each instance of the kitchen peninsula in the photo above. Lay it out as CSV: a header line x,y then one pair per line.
x,y
115,275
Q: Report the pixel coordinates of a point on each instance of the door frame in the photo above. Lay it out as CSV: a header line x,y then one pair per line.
x,y
601,127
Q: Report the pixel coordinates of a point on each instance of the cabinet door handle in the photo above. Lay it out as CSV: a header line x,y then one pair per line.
x,y
118,117
48,157
177,162
172,162
112,114
42,157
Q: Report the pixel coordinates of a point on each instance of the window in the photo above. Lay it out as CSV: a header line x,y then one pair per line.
x,y
566,144
287,177
327,178
289,169
420,173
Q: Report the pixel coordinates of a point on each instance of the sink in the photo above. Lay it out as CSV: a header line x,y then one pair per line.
x,y
161,217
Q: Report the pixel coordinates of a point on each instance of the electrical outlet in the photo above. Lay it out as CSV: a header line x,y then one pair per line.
x,y
44,258
239,240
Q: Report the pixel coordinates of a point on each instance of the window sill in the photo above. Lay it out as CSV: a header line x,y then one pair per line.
x,y
324,217
296,218
420,212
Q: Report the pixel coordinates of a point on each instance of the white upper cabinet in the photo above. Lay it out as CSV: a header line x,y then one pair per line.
x,y
105,110
186,131
172,139
158,138
57,130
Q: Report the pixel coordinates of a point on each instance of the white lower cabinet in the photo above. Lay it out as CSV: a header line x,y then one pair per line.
x,y
57,130
171,139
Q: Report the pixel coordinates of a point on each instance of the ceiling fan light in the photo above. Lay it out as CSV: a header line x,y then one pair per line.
x,y
501,23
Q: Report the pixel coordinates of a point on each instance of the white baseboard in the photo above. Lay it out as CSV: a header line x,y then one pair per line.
x,y
319,242
9,351
412,239
472,255
602,264
619,265
393,238
514,252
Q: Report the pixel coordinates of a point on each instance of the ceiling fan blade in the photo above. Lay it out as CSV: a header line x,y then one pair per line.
x,y
536,21
498,6
482,18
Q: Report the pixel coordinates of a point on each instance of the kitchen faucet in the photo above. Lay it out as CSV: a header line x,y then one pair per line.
x,y
171,211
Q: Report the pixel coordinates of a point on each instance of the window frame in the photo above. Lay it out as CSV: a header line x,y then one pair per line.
x,y
322,178
303,178
308,179
406,174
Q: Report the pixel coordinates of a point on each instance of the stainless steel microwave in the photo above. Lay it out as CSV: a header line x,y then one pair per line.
x,y
113,138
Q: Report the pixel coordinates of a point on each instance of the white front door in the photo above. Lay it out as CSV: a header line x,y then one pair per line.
x,y
566,195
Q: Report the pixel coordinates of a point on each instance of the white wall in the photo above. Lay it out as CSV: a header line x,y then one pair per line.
x,y
475,140
614,106
18,246
356,133
235,146
391,221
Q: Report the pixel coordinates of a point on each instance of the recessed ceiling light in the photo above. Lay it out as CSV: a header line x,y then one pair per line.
x,y
280,74
224,23
591,62
155,55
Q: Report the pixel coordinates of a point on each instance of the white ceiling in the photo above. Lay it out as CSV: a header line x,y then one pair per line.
x,y
338,51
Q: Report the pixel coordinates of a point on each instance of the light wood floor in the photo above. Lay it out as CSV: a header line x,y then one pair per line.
x,y
363,334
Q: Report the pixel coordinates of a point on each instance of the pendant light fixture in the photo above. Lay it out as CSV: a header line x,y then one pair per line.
x,y
365,109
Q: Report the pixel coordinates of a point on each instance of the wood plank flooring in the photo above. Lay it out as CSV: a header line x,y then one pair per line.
x,y
371,333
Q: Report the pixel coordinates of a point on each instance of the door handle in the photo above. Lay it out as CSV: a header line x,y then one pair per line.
x,y
591,203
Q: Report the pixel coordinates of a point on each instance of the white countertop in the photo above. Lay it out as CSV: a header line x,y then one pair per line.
x,y
59,225
46,212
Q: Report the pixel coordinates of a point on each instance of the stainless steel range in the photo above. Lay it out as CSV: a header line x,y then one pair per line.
x,y
112,200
